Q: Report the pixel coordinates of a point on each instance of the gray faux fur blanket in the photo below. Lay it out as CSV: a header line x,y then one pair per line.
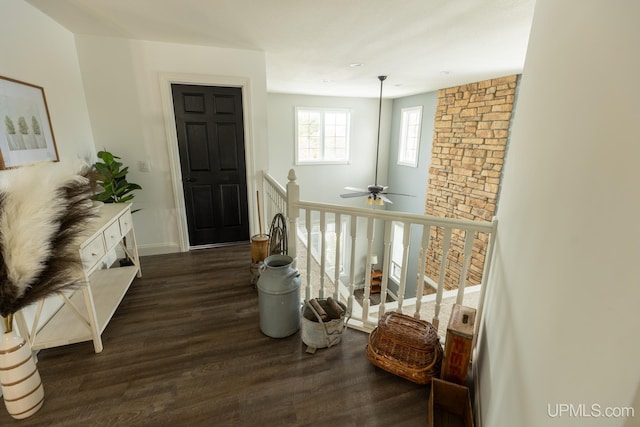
x,y
43,209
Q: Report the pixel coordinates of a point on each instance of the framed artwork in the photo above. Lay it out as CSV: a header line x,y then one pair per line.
x,y
25,127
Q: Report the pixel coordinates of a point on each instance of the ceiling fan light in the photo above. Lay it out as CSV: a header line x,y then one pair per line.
x,y
379,202
369,201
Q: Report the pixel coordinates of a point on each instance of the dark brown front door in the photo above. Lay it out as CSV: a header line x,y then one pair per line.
x,y
210,132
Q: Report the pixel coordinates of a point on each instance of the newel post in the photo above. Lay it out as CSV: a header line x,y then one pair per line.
x,y
293,197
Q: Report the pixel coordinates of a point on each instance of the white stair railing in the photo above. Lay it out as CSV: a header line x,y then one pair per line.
x,y
274,197
320,279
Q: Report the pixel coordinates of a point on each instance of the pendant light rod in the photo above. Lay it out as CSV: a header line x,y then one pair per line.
x,y
382,79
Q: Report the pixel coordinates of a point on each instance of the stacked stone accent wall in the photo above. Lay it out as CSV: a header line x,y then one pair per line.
x,y
470,139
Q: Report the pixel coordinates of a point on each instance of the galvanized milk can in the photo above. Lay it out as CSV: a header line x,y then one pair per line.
x,y
279,297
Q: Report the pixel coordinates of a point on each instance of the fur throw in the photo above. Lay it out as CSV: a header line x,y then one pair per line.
x,y
43,209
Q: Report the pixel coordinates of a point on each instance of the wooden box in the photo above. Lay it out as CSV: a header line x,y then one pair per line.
x,y
457,350
449,405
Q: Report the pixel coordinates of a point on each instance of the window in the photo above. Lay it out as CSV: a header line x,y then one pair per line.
x,y
410,136
322,135
397,250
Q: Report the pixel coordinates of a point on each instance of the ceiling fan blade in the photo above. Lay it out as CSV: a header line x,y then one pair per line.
x,y
359,190
386,199
347,195
400,194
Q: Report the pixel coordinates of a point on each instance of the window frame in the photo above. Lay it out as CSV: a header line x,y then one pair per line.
x,y
397,237
323,160
403,138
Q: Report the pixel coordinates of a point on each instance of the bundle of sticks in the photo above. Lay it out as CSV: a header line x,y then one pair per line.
x,y
331,310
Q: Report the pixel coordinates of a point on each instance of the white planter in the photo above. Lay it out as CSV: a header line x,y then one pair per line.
x,y
22,389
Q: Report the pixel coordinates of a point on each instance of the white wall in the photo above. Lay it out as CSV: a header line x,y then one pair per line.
x,y
37,50
122,81
406,179
325,183
561,320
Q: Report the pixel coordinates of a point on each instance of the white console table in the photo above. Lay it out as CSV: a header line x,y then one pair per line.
x,y
84,314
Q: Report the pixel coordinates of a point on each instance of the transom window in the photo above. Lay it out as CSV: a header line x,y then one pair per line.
x,y
410,136
322,135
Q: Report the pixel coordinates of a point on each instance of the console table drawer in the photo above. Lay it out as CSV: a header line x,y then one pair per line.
x,y
92,253
112,235
126,222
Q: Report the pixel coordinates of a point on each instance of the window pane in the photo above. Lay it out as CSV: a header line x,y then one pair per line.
x,y
322,135
409,136
308,135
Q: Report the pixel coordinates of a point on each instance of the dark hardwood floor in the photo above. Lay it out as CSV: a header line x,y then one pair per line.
x,y
185,349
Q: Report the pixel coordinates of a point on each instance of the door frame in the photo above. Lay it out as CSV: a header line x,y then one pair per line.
x,y
166,80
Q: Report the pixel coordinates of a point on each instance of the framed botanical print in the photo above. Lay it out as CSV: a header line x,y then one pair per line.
x,y
26,135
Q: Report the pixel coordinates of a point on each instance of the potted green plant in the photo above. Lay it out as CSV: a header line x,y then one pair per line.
x,y
112,177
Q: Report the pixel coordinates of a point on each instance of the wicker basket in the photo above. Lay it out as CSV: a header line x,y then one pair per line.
x,y
406,347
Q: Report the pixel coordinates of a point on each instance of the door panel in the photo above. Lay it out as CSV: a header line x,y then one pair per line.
x,y
228,153
198,147
210,132
230,204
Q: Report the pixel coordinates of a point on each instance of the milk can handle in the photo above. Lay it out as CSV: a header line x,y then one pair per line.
x,y
293,274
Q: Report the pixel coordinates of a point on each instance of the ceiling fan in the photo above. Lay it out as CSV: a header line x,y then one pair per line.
x,y
375,193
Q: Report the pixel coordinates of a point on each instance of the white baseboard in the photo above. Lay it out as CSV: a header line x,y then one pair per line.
x,y
158,249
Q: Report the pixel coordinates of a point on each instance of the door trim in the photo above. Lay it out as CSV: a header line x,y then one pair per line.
x,y
166,80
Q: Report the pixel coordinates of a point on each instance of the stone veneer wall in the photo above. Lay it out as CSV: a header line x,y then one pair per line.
x,y
469,146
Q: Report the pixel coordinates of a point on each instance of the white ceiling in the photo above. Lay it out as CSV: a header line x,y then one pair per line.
x,y
422,45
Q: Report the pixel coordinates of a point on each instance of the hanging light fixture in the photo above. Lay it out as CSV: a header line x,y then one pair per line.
x,y
382,79
376,193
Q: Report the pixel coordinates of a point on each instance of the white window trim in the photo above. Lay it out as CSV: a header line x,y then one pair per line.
x,y
347,161
403,135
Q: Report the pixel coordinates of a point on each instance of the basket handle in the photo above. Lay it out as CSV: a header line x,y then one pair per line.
x,y
438,348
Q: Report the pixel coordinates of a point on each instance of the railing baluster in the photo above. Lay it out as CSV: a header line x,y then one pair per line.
x,y
280,203
274,196
406,233
367,275
386,258
353,226
424,244
293,212
443,270
323,251
309,255
468,245
336,272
